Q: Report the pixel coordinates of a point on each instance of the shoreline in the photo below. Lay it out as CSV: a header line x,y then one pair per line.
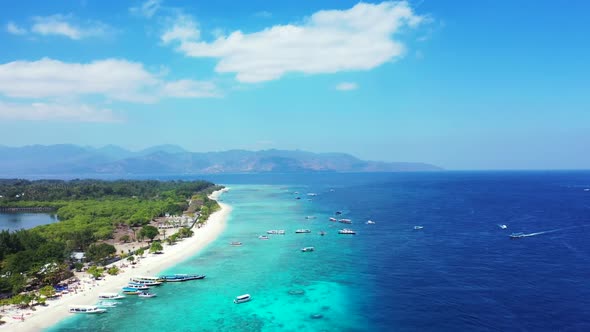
x,y
57,310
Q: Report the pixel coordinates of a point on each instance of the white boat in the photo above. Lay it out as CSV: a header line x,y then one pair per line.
x,y
236,243
307,249
333,219
146,295
345,221
137,286
86,309
110,296
502,226
346,231
370,222
303,231
263,237
276,231
418,227
242,298
310,217
145,282
312,194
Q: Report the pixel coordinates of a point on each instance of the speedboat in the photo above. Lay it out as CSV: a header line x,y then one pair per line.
x,y
310,217
345,221
312,194
370,222
418,227
110,296
333,219
242,298
147,295
517,235
86,309
236,243
299,231
322,233
307,249
346,231
502,226
263,237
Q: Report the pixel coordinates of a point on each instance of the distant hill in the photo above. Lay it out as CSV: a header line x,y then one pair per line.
x,y
64,159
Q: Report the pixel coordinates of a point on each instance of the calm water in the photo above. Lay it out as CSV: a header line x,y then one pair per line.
x,y
16,221
461,272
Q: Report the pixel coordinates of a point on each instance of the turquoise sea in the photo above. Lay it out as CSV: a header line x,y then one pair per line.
x,y
291,290
460,272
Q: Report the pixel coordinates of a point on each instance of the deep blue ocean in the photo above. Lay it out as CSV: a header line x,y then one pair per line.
x,y
460,272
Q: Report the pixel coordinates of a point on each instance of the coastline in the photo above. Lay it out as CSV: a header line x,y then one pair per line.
x,y
56,310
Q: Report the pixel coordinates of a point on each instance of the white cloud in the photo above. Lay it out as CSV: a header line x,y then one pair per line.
x,y
55,111
62,25
112,78
347,86
360,38
15,29
184,29
147,9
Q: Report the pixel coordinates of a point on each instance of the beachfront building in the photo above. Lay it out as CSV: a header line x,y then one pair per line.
x,y
178,221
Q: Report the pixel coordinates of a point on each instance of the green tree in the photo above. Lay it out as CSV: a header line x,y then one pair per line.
x,y
113,270
125,238
156,247
140,252
131,258
95,271
99,252
47,291
149,231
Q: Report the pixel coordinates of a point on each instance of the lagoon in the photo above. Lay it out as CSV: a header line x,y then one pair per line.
x,y
20,220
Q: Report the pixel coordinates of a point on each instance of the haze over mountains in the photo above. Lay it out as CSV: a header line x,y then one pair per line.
x,y
66,159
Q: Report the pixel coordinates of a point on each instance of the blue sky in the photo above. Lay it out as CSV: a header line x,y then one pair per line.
x,y
460,84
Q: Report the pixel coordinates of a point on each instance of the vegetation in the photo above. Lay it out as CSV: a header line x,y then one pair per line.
x,y
156,247
113,270
96,272
89,211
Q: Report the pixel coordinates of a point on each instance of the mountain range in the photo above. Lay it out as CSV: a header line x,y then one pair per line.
x,y
64,159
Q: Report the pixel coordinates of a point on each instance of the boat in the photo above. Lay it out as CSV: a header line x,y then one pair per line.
x,y
297,197
276,231
106,304
86,309
130,291
307,249
418,227
333,219
182,277
263,237
312,194
370,222
242,298
146,295
502,226
517,235
345,221
322,233
110,296
138,286
235,243
145,282
338,212
310,217
303,231
346,231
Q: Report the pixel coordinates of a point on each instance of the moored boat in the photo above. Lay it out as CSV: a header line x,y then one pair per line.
x,y
146,281
86,309
345,221
130,291
333,219
299,231
346,231
242,298
263,237
322,233
235,243
418,227
146,295
307,249
138,286
110,296
182,277
310,217
276,231
107,304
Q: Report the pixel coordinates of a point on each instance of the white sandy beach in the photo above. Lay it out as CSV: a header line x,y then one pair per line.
x,y
56,310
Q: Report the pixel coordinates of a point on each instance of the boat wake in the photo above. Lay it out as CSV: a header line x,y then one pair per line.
x,y
544,232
